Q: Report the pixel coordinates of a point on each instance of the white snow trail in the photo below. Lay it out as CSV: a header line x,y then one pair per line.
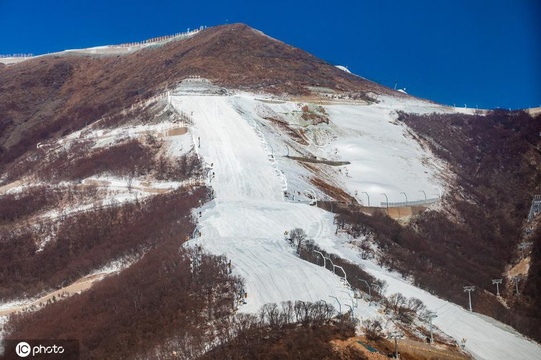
x,y
248,217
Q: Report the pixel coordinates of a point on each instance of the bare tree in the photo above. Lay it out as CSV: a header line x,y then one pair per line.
x,y
297,236
372,329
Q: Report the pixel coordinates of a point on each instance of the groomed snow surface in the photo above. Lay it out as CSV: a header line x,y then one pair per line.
x,y
247,219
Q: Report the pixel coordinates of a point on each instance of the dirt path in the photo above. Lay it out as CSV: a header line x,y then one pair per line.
x,y
77,287
5,188
423,350
429,351
354,343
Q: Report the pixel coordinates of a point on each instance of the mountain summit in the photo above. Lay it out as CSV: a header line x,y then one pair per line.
x,y
239,56
53,94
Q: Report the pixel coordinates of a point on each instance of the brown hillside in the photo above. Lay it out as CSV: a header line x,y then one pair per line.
x,y
56,94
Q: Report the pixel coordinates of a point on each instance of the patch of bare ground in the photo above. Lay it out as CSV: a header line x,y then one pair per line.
x,y
402,212
318,161
296,136
399,212
534,111
7,187
314,114
176,131
353,344
519,269
408,349
333,191
77,287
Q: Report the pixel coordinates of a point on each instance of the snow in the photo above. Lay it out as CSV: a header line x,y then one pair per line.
x,y
383,159
13,60
116,265
247,219
12,304
343,68
109,49
107,137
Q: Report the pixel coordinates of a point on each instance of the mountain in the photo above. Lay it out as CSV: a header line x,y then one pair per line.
x,y
61,93
183,186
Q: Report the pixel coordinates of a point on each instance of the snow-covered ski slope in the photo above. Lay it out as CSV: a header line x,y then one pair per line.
x,y
247,219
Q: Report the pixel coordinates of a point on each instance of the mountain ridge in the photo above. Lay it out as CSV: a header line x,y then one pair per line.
x,y
54,94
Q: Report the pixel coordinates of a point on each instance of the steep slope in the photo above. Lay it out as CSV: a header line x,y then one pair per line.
x,y
50,95
497,161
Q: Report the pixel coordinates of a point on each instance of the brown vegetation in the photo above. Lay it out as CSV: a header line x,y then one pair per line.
x,y
299,330
128,159
157,304
295,135
19,206
86,241
333,191
316,115
319,161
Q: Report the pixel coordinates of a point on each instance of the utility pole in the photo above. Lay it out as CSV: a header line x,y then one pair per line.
x,y
333,266
338,301
469,289
341,268
354,304
396,335
424,193
497,282
516,279
368,196
523,246
403,193
350,309
324,261
386,199
367,284
431,315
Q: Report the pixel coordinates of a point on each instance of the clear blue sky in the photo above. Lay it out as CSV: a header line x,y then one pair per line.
x,y
484,53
